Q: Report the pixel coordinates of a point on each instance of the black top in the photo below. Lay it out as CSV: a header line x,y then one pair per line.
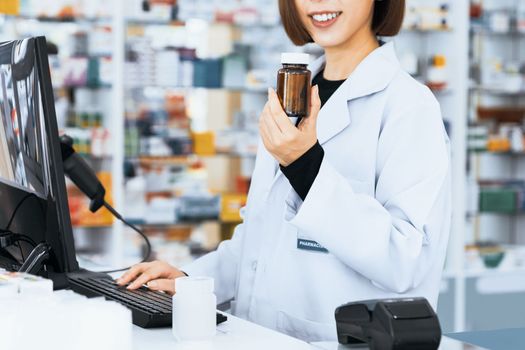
x,y
326,87
303,171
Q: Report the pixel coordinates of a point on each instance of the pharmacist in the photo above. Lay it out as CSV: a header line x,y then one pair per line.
x,y
352,204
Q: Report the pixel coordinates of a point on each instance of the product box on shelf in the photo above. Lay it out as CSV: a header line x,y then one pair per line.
x,y
502,196
80,214
203,143
207,73
10,7
231,204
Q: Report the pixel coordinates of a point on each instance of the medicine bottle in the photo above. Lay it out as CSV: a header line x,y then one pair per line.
x,y
194,304
293,84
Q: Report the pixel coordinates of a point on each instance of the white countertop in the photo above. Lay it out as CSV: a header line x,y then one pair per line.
x,y
233,334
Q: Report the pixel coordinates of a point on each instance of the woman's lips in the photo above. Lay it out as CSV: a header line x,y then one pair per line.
x,y
323,20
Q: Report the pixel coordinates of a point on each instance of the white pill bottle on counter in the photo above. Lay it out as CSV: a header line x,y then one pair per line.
x,y
194,305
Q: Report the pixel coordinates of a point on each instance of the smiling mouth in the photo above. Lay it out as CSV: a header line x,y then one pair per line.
x,y
324,19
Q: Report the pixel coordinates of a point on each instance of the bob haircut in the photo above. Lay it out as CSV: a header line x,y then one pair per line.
x,y
386,21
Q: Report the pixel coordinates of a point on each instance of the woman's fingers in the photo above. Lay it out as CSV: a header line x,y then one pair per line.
x,y
272,129
146,276
315,107
276,111
166,285
264,127
132,273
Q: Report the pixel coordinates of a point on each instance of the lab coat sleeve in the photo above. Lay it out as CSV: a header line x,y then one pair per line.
x,y
391,237
221,264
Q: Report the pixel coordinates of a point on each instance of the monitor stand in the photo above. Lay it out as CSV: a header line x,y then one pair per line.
x,y
42,256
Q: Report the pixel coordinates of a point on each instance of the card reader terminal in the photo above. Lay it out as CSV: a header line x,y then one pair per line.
x,y
389,324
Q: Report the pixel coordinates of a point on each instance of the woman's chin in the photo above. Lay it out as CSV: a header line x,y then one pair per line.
x,y
327,41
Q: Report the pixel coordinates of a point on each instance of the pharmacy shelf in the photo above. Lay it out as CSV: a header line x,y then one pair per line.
x,y
58,20
505,154
477,30
90,87
236,154
182,160
168,160
417,30
163,22
498,271
486,44
178,224
496,91
483,272
247,89
494,213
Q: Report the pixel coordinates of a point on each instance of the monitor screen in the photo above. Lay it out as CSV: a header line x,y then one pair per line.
x,y
24,158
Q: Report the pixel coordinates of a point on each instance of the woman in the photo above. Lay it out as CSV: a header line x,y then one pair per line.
x,y
352,204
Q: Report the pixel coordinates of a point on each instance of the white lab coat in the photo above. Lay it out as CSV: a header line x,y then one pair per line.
x,y
380,205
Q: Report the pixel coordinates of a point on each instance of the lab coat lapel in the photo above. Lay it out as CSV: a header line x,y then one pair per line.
x,y
372,75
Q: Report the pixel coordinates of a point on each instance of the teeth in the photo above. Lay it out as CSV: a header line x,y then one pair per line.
x,y
325,17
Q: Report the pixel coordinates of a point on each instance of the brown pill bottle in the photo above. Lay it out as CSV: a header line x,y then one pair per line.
x,y
293,84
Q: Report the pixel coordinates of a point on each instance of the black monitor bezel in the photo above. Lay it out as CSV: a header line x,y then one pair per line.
x,y
58,230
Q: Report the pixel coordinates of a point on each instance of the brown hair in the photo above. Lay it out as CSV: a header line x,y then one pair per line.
x,y
386,21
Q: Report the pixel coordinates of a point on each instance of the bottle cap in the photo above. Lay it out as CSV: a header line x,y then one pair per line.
x,y
194,285
295,58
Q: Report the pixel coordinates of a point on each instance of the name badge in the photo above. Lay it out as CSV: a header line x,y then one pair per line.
x,y
306,244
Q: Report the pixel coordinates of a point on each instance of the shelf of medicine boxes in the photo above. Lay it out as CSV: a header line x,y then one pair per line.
x,y
422,30
184,159
177,23
69,19
483,30
246,89
179,231
498,153
496,91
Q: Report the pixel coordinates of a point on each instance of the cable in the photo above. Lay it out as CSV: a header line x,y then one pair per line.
x,y
17,237
21,251
146,239
24,238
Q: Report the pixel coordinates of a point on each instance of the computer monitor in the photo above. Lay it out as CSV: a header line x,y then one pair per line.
x,y
33,198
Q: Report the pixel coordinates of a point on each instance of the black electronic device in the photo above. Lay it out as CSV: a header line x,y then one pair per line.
x,y
79,171
32,185
35,227
390,324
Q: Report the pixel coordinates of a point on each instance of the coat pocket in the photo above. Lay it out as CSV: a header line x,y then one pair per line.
x,y
309,331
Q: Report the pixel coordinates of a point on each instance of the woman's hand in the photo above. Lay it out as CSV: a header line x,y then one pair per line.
x,y
280,137
157,275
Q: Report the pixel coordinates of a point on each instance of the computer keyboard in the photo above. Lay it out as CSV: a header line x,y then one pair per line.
x,y
149,309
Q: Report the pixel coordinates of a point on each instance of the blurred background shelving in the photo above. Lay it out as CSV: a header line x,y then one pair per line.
x,y
163,98
495,164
